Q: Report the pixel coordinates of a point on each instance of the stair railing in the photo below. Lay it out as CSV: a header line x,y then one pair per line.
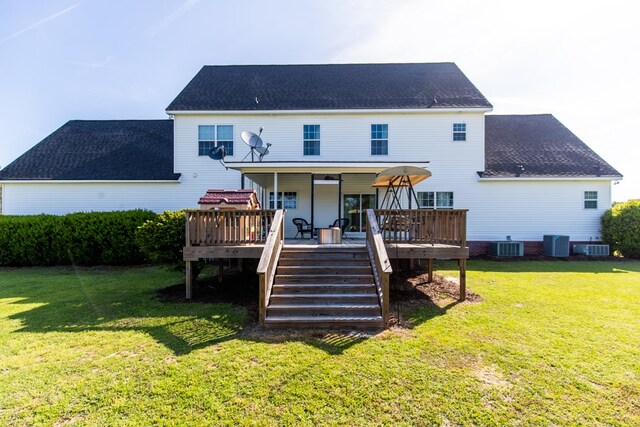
x,y
380,263
269,261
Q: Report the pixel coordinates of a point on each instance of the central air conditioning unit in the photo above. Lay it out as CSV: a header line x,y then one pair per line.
x,y
506,248
591,250
556,246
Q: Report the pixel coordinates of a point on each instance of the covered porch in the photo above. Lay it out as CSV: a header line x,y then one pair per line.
x,y
320,193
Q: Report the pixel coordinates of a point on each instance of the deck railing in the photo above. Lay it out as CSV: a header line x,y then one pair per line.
x,y
380,263
269,262
428,226
211,227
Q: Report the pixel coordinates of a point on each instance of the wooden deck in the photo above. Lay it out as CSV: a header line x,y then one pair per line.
x,y
390,234
394,250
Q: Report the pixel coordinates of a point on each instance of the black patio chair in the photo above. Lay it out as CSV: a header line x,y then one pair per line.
x,y
342,223
303,227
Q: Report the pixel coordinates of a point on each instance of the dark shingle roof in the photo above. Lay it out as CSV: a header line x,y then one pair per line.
x,y
100,150
328,87
541,145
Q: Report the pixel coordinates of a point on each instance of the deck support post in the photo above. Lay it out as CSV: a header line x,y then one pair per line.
x,y
220,270
188,279
463,279
430,270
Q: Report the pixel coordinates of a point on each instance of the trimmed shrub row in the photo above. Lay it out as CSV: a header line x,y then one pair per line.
x,y
94,238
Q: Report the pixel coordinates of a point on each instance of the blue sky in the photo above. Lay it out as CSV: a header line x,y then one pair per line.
x,y
118,59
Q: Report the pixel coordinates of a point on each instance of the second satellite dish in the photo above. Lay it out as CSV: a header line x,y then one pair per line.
x,y
218,153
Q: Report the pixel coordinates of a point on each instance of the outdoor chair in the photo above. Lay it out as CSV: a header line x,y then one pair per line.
x,y
342,223
303,227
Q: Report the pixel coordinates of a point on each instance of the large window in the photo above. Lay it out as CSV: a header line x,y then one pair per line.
x,y
435,200
311,141
591,200
459,131
212,136
286,200
379,140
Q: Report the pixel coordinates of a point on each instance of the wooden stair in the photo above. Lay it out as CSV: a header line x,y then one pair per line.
x,y
324,287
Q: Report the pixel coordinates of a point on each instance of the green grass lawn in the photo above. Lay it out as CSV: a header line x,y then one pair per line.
x,y
551,343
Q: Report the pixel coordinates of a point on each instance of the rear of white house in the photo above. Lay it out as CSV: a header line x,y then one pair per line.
x,y
332,129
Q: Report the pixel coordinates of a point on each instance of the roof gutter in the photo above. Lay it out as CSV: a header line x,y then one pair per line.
x,y
323,112
550,178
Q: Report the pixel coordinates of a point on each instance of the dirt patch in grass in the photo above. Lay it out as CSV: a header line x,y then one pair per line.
x,y
411,291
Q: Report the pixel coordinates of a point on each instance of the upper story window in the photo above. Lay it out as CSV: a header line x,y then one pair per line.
x,y
437,200
379,140
591,200
212,136
459,131
311,140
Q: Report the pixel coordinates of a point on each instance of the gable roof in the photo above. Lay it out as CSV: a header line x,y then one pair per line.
x,y
328,87
537,145
100,150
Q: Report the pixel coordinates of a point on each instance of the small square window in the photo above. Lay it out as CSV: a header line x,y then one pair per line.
x,y
591,200
444,200
426,199
459,131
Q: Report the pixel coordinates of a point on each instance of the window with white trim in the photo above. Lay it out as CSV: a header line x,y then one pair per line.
x,y
435,200
311,140
379,140
459,131
591,200
286,200
213,136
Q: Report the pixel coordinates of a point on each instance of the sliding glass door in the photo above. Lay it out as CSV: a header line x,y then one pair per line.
x,y
355,210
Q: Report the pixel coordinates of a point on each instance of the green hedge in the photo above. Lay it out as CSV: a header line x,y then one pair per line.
x,y
161,239
94,238
621,228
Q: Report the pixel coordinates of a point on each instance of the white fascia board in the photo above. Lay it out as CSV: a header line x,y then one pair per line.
x,y
345,111
550,178
318,167
95,181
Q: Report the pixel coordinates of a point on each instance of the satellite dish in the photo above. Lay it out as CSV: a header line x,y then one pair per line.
x,y
218,153
251,139
255,144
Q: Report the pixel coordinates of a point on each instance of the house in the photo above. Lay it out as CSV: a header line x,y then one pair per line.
x,y
332,129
